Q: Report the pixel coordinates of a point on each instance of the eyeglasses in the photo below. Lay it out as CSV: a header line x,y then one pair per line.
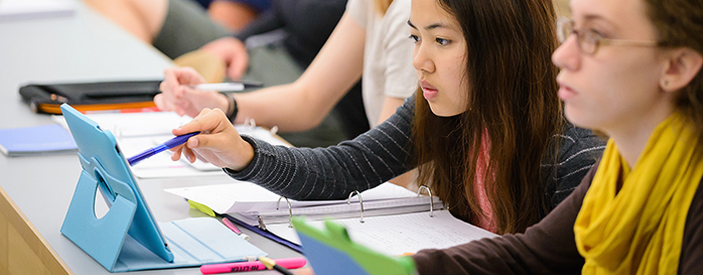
x,y
589,41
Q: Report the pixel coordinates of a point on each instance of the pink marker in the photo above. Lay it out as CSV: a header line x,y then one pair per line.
x,y
289,263
234,228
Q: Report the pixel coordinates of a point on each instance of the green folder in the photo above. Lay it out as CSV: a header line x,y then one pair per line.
x,y
331,251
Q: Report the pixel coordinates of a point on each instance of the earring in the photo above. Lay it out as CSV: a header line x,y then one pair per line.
x,y
666,82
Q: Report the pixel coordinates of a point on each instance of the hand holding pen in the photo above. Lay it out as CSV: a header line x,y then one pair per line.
x,y
185,92
160,148
176,96
219,143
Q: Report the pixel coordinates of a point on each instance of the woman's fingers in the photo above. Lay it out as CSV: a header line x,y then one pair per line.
x,y
218,142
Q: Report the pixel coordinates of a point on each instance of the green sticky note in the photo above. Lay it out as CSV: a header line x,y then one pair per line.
x,y
203,208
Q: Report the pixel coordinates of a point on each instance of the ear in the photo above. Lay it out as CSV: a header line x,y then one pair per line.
x,y
682,66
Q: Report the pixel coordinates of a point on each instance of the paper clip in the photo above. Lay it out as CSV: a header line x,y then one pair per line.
x,y
361,203
290,209
419,190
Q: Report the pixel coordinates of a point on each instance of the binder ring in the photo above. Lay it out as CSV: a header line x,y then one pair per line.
x,y
290,210
262,225
361,203
250,122
431,200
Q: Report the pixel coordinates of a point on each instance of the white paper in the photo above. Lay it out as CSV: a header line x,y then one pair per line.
x,y
143,124
398,234
240,197
136,132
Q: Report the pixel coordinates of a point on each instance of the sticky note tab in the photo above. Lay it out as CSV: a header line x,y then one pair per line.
x,y
203,208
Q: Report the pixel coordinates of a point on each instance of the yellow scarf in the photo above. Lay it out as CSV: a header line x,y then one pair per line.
x,y
639,230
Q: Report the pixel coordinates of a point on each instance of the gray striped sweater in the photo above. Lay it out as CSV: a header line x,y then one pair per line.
x,y
383,153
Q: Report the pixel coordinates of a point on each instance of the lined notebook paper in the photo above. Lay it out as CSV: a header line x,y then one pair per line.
x,y
398,234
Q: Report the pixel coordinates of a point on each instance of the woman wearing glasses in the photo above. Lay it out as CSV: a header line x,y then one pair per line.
x,y
486,128
631,69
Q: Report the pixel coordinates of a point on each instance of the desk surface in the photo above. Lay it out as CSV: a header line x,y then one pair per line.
x,y
82,47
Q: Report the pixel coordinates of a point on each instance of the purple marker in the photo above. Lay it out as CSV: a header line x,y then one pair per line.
x,y
160,148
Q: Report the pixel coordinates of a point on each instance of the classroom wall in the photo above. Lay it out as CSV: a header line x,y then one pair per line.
x,y
562,8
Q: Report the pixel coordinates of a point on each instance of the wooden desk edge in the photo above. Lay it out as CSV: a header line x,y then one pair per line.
x,y
22,249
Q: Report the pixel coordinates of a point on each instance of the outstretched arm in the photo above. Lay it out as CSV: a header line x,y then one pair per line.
x,y
303,104
303,173
293,107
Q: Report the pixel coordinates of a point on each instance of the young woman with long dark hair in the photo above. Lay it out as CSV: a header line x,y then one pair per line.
x,y
485,128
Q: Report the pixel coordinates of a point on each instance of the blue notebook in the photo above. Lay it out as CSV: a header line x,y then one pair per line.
x,y
27,141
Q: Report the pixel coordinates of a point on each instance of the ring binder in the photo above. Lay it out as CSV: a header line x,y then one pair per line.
x,y
361,203
290,210
419,189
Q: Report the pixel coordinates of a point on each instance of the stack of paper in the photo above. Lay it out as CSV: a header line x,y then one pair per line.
x,y
249,201
135,132
395,219
399,234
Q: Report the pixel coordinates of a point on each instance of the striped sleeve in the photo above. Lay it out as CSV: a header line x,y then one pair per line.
x,y
580,149
334,172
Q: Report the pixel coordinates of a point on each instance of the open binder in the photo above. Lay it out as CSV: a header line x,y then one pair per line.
x,y
389,222
392,231
330,250
127,237
257,208
254,204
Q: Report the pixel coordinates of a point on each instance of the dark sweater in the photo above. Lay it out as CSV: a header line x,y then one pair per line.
x,y
383,153
549,246
307,24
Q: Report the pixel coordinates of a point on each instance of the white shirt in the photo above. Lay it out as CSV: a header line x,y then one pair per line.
x,y
388,54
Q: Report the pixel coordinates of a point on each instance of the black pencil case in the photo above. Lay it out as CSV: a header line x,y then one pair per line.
x,y
92,96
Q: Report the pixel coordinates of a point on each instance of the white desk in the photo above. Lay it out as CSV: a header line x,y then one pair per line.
x,y
84,47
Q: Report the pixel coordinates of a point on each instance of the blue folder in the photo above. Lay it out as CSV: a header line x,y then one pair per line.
x,y
127,237
266,233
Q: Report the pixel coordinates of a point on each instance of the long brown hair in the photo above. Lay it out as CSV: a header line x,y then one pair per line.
x,y
512,99
678,24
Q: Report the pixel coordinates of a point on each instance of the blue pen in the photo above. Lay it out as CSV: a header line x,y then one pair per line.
x,y
160,148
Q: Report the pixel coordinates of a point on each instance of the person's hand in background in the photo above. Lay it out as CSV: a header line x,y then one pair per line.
x,y
232,52
177,96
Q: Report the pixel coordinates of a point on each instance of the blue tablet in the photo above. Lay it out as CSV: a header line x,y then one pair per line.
x,y
128,237
104,165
